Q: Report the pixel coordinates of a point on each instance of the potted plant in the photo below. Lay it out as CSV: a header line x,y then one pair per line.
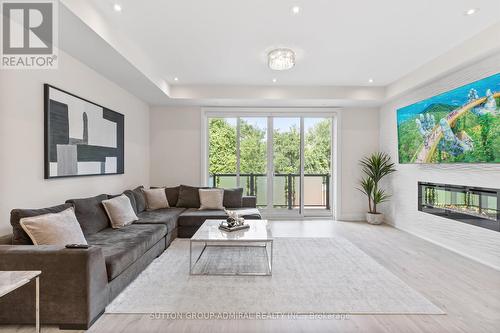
x,y
375,167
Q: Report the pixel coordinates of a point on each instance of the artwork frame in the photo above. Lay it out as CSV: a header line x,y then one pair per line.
x,y
458,126
92,145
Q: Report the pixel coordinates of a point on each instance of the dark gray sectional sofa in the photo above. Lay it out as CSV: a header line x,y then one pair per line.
x,y
77,284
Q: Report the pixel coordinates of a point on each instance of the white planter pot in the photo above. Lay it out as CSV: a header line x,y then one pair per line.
x,y
375,218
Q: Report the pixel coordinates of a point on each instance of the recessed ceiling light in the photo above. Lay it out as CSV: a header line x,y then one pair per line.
x,y
471,11
117,7
295,10
274,80
281,59
176,79
370,80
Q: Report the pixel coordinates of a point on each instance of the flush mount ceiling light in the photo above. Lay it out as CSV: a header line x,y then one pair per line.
x,y
471,11
295,10
117,7
281,59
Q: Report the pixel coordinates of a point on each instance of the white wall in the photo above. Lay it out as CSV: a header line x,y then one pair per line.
x,y
176,150
477,243
22,137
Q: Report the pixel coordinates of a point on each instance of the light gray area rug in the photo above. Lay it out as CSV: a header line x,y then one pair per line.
x,y
310,275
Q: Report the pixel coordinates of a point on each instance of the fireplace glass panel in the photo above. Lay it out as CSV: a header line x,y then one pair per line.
x,y
473,205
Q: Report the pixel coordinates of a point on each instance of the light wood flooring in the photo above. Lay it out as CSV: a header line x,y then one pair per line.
x,y
467,291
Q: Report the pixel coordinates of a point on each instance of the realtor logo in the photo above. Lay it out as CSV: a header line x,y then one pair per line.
x,y
29,34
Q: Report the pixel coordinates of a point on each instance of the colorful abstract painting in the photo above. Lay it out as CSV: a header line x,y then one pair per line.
x,y
458,126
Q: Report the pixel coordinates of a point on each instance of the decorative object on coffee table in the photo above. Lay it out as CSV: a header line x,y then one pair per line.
x,y
11,280
233,219
224,225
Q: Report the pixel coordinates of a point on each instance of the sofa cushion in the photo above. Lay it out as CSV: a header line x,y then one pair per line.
x,y
140,200
156,198
167,216
122,247
188,197
211,198
54,228
19,237
91,214
233,197
172,195
120,211
193,217
131,197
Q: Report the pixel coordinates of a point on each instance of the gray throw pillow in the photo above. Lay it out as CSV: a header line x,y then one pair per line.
x,y
156,198
172,195
19,236
120,211
188,197
233,198
140,200
211,199
54,228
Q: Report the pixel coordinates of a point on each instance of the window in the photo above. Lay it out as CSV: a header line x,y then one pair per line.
x,y
285,160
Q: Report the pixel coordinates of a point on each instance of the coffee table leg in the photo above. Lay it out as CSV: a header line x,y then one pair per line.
x,y
37,305
190,257
271,266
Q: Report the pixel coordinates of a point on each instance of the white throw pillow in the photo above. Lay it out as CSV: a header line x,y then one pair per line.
x,y
156,198
120,211
54,229
211,198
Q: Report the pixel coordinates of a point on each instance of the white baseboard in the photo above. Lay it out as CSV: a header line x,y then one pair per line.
x,y
352,217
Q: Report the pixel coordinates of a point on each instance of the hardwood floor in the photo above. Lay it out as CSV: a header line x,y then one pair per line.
x,y
467,291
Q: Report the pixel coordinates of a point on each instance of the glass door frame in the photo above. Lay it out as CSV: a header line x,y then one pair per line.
x,y
269,212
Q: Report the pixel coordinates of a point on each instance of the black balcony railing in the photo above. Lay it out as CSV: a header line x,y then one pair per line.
x,y
286,190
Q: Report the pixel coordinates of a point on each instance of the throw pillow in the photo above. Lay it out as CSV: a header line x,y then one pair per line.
x,y
140,201
120,211
156,198
233,198
211,199
19,236
172,195
189,197
54,228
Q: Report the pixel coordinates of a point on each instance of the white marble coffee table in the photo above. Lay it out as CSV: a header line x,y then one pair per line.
x,y
11,280
210,236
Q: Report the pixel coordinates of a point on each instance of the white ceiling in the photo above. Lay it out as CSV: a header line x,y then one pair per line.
x,y
338,43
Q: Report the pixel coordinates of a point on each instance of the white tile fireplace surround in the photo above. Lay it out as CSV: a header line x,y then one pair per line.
x,y
477,243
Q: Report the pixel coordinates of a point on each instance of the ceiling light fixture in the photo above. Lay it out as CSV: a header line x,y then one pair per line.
x,y
176,79
471,11
281,59
117,7
295,10
370,80
274,80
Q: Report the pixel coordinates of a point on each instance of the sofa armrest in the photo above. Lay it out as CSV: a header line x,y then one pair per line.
x,y
6,240
73,285
249,201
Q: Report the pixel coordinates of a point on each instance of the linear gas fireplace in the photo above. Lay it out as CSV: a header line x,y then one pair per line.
x,y
473,205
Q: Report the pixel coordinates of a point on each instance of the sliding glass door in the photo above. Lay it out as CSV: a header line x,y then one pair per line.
x,y
286,145
283,160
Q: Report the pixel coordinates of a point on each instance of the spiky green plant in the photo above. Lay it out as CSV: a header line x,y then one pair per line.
x,y
375,167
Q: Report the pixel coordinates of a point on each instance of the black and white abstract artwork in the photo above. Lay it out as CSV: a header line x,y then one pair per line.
x,y
81,138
